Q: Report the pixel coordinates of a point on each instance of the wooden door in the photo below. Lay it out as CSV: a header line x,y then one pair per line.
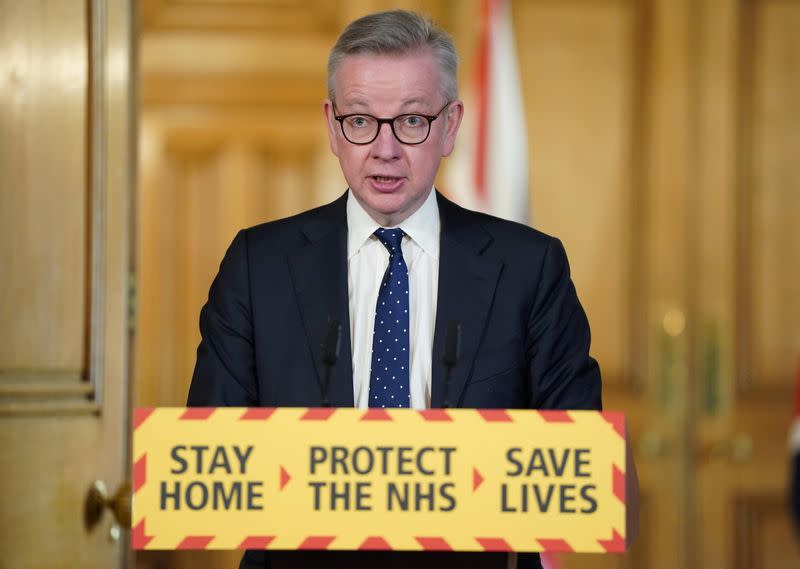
x,y
65,182
747,268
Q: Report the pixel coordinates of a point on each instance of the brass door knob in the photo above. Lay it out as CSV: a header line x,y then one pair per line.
x,y
98,500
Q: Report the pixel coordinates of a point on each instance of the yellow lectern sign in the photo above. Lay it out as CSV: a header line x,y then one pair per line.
x,y
323,478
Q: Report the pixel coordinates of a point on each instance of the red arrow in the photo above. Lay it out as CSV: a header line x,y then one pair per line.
x,y
477,479
284,477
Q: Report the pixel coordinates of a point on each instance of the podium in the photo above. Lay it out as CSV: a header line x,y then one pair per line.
x,y
484,480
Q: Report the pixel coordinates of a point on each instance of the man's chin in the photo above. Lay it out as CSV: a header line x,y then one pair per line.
x,y
387,210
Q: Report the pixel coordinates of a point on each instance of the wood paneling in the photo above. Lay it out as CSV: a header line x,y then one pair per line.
x,y
194,199
66,177
579,77
263,15
764,535
748,336
44,203
772,190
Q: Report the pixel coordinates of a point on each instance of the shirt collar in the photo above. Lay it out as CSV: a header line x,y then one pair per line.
x,y
422,226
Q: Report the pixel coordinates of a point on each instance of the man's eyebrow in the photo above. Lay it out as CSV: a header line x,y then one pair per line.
x,y
355,103
361,105
413,101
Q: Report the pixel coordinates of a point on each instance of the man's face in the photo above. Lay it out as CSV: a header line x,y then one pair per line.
x,y
391,180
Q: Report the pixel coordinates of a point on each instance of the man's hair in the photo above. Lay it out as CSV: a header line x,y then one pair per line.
x,y
396,32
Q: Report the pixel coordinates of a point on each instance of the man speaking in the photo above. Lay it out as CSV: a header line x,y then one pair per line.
x,y
397,265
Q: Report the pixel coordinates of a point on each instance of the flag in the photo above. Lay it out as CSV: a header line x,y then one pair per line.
x,y
488,170
794,457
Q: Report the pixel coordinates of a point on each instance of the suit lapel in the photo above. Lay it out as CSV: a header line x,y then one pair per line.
x,y
319,275
467,283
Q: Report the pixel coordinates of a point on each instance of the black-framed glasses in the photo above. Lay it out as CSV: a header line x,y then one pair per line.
x,y
412,128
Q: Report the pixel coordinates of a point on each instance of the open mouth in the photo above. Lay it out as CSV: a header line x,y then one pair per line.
x,y
386,183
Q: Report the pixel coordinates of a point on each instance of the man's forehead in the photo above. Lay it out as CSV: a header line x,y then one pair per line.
x,y
390,82
363,102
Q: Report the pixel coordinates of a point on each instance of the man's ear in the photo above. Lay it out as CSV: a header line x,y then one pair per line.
x,y
330,123
453,116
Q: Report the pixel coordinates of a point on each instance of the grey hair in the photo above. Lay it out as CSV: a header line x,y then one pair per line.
x,y
396,32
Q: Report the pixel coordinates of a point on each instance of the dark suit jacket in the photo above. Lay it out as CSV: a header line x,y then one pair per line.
x,y
524,336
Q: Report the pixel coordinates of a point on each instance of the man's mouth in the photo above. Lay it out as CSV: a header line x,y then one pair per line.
x,y
386,184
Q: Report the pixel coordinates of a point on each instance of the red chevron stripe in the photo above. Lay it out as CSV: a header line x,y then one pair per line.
x,y
140,415
139,472
433,544
257,414
495,415
619,483
556,416
197,413
377,414
375,543
555,545
616,420
195,542
493,544
256,542
614,545
435,415
139,537
317,542
318,414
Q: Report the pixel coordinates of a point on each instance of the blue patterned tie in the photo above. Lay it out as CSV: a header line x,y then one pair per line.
x,y
389,373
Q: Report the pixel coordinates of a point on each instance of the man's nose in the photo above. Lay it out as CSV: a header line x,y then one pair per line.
x,y
385,146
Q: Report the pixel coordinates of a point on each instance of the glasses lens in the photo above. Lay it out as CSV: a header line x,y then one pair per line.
x,y
360,128
411,129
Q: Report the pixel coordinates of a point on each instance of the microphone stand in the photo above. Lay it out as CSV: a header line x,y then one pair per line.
x,y
330,354
452,346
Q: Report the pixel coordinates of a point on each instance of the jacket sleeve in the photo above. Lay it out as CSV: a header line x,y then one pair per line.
x,y
224,373
563,374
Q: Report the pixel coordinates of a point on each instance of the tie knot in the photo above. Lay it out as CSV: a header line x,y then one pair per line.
x,y
390,238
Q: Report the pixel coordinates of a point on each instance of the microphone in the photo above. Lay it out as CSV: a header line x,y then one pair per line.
x,y
452,346
330,354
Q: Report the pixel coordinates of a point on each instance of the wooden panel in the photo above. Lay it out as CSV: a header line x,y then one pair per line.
x,y
765,538
182,52
203,128
194,200
263,15
773,191
578,81
714,206
267,89
44,202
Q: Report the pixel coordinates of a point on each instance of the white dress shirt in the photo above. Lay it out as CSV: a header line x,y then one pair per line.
x,y
367,260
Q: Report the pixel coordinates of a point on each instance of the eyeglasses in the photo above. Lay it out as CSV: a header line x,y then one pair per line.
x,y
359,128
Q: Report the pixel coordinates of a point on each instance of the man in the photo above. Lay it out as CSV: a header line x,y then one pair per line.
x,y
394,262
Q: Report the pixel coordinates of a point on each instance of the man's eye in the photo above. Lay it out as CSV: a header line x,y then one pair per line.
x,y
413,121
358,122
